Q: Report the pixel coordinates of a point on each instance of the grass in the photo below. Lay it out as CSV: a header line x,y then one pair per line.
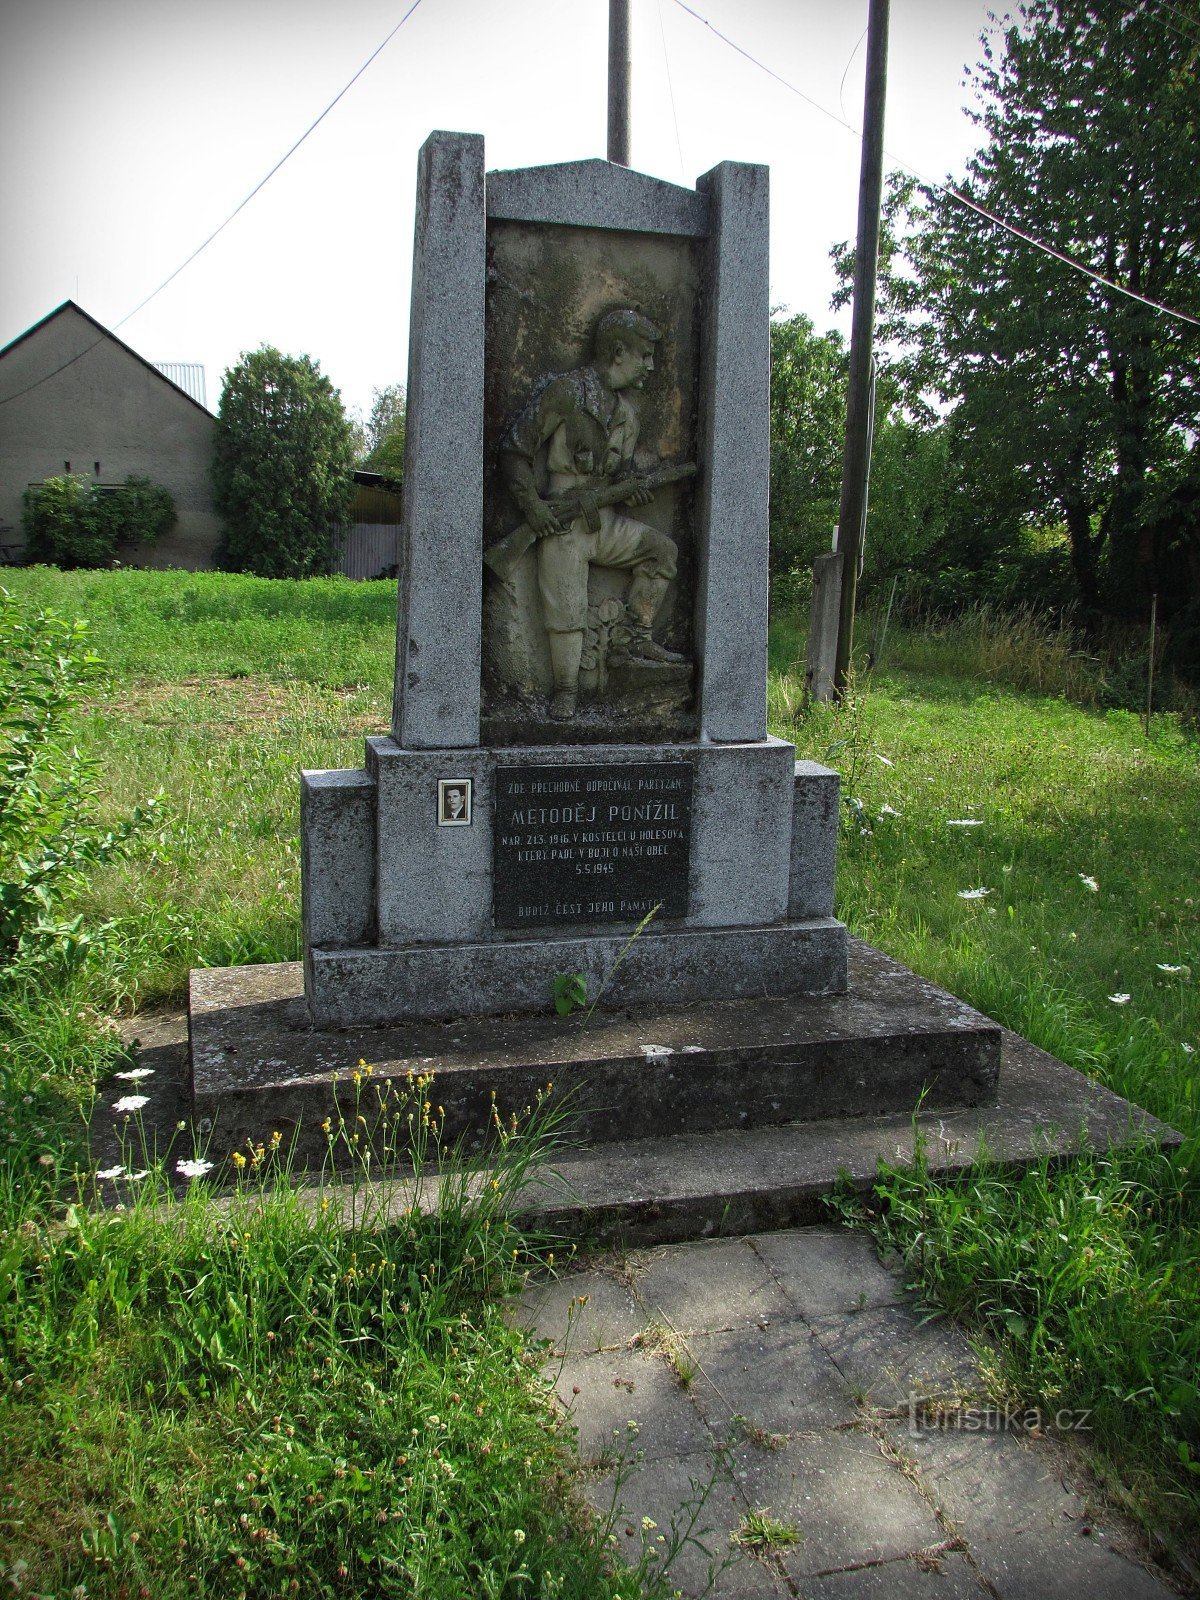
x,y
287,1394
218,688
1086,939
760,1532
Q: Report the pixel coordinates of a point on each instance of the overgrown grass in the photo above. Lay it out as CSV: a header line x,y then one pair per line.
x,y
292,1392
1062,796
1018,647
285,1393
1074,832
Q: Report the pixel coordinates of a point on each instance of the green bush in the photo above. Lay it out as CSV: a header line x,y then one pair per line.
x,y
71,522
49,832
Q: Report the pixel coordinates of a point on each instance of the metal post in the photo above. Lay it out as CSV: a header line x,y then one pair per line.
x,y
1150,665
856,463
619,73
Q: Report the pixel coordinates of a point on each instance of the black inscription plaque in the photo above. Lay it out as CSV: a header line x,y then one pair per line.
x,y
591,844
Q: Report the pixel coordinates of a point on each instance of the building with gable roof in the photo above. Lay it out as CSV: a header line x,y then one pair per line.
x,y
75,398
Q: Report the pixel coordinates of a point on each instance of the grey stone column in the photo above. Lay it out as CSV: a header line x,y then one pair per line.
x,y
436,702
732,588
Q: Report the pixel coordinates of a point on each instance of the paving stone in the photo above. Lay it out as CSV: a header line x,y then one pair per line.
x,y
616,1388
715,1284
888,1357
829,1271
666,1491
1023,1524
581,1312
947,1577
848,1501
778,1378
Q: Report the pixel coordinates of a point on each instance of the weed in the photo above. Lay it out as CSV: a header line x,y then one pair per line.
x,y
760,1532
570,988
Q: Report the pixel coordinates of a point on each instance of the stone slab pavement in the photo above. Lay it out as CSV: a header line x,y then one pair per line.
x,y
791,1375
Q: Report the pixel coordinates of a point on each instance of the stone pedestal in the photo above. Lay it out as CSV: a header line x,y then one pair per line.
x,y
400,909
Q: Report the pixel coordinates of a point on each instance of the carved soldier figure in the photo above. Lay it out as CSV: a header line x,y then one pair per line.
x,y
577,435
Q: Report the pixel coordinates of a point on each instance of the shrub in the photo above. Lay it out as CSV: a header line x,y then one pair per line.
x,y
49,832
71,522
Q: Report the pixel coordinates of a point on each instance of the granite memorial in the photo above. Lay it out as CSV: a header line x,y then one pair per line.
x,y
578,782
578,740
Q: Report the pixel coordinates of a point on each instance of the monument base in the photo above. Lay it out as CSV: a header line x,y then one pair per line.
x,y
890,1043
375,985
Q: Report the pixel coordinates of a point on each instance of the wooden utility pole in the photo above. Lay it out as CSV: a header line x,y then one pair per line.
x,y
618,82
856,463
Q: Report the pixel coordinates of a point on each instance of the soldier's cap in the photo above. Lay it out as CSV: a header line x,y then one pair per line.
x,y
615,325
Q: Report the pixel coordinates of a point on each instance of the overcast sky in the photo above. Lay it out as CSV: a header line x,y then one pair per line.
x,y
132,128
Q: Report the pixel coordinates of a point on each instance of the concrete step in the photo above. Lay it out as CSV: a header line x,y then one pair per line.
x,y
734,1182
258,1066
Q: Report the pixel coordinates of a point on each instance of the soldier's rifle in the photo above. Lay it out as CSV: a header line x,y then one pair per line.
x,y
503,556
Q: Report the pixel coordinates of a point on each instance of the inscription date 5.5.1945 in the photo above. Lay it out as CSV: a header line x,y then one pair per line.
x,y
591,843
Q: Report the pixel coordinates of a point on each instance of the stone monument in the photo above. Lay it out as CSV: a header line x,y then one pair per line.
x,y
579,734
578,788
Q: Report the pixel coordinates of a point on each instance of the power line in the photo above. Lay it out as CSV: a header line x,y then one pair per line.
x,y
241,206
945,188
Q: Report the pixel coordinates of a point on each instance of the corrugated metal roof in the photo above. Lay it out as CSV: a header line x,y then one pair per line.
x,y
186,375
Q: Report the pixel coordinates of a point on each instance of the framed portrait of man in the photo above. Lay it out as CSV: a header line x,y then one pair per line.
x,y
454,802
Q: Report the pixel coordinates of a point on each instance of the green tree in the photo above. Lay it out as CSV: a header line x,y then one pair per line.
x,y
283,464
385,430
808,420
1072,402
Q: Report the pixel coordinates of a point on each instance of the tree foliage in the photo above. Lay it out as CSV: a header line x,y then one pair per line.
x,y
385,430
808,417
1072,402
283,463
69,521
910,472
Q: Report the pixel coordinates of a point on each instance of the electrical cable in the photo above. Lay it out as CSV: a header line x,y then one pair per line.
x,y
846,73
241,206
946,188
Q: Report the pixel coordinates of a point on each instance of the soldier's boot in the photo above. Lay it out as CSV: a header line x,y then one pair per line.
x,y
645,597
566,651
644,647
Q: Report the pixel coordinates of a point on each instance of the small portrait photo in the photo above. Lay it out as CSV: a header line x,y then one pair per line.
x,y
454,802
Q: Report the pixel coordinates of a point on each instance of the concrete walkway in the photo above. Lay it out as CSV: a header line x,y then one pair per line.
x,y
795,1368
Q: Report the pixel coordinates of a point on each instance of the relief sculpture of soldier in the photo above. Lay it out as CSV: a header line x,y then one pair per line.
x,y
577,435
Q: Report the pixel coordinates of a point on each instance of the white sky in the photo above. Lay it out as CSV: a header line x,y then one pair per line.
x,y
129,129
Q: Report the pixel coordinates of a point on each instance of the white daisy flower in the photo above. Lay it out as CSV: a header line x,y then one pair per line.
x,y
973,894
1165,966
1120,999
1089,883
131,1102
111,1172
136,1074
193,1169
